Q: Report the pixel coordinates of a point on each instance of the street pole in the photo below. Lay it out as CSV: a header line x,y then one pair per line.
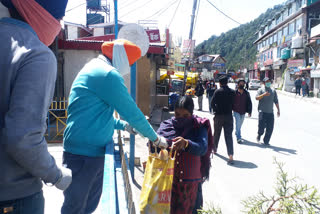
x,y
186,68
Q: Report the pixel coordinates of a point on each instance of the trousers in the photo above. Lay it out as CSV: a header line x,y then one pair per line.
x,y
225,122
83,195
266,124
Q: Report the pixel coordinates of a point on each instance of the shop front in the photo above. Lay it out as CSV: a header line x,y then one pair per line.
x,y
315,75
292,72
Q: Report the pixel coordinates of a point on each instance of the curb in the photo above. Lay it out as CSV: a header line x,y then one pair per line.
x,y
306,99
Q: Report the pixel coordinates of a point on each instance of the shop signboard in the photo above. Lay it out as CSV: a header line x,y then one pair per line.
x,y
154,36
315,73
219,64
295,63
315,31
256,66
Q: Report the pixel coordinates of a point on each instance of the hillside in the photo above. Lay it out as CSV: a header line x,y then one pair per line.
x,y
236,45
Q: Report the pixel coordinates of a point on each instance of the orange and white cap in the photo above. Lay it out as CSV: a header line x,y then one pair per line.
x,y
132,50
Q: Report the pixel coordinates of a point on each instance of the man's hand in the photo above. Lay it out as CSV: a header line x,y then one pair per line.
x,y
179,143
278,114
266,94
249,115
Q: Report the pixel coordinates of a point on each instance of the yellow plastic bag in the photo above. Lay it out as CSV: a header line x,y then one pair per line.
x,y
157,184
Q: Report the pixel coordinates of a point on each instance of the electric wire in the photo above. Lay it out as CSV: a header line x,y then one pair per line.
x,y
223,13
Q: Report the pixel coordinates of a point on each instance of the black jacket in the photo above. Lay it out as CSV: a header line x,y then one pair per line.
x,y
222,101
199,90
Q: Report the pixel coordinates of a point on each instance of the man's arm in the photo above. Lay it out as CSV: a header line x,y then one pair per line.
x,y
249,103
25,122
276,101
116,95
261,95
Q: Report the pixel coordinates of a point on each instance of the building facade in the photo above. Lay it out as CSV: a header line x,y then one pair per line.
x,y
282,43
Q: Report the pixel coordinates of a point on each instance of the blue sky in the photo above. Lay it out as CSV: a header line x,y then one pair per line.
x,y
209,22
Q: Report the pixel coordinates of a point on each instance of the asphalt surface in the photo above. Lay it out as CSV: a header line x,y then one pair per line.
x,y
295,142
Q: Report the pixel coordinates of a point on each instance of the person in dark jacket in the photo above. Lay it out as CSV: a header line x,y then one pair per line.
x,y
222,103
242,105
298,84
199,93
210,91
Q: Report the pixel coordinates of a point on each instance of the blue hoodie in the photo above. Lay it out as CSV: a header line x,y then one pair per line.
x,y
96,92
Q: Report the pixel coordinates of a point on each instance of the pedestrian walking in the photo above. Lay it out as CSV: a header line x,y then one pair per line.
x,y
266,96
242,105
28,71
199,93
298,84
97,91
210,92
304,86
247,85
222,103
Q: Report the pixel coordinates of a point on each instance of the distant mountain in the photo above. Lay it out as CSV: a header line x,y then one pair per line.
x,y
236,45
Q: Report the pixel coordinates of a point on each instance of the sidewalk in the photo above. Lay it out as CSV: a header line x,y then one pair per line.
x,y
313,100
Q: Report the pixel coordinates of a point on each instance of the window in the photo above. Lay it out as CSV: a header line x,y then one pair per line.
x,y
292,28
279,19
271,40
289,10
271,54
299,24
275,38
285,31
279,36
278,53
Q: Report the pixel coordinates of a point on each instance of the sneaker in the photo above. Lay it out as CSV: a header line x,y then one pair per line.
x,y
242,140
258,138
239,141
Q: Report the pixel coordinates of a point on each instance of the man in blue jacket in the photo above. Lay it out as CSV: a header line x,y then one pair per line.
x,y
96,93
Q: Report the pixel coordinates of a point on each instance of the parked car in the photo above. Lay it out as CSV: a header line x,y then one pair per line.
x,y
254,84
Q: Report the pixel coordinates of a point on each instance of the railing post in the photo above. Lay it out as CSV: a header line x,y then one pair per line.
x,y
132,137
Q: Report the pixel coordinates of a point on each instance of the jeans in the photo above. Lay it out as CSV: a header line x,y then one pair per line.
x,y
83,195
225,122
266,122
210,99
298,89
239,121
200,102
33,204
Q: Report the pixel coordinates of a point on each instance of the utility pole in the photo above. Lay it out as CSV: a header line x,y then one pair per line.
x,y
186,68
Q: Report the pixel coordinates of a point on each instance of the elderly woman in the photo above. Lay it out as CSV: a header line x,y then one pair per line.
x,y
191,138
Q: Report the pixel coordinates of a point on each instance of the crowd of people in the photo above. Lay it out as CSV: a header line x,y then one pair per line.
x,y
302,84
229,106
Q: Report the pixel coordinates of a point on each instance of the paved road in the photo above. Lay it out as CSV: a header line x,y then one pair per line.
x,y
295,141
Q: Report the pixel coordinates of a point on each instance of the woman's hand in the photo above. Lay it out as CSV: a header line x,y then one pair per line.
x,y
179,143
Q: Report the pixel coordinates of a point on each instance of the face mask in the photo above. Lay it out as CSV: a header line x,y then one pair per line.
x,y
182,122
268,84
241,86
120,59
41,21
